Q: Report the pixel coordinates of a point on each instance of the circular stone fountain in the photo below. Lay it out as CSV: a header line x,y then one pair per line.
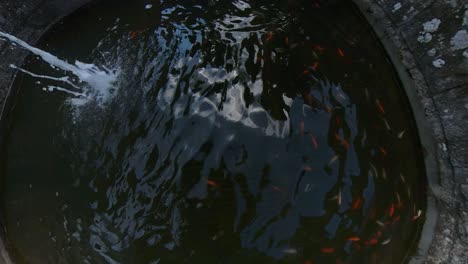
x,y
173,132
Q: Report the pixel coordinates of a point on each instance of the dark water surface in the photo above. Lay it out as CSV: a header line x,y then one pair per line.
x,y
239,132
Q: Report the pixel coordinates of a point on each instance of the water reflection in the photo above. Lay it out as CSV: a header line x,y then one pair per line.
x,y
230,139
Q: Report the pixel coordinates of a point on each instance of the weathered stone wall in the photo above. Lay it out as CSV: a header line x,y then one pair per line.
x,y
427,41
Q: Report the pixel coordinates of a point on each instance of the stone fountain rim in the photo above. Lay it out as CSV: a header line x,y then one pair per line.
x,y
426,137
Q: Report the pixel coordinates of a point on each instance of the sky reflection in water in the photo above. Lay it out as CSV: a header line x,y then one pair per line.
x,y
240,131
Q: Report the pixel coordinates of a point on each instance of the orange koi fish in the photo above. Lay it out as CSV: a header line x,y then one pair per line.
x,y
380,107
314,141
327,250
345,143
357,204
383,151
391,210
269,36
212,183
416,216
133,34
318,48
340,52
339,197
276,188
315,66
373,241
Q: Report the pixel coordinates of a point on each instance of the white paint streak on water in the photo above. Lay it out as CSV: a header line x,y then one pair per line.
x,y
100,82
58,79
52,88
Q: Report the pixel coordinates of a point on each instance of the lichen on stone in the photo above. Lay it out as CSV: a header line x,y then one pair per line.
x,y
439,63
460,40
432,26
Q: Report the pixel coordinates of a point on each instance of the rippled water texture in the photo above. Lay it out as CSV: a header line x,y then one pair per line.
x,y
235,132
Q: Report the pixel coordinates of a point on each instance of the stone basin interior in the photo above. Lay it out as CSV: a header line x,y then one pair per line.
x,y
211,132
